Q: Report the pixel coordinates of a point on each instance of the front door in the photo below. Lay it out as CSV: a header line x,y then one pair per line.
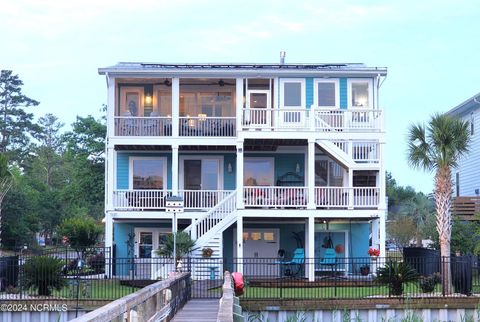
x,y
260,249
259,109
201,180
147,241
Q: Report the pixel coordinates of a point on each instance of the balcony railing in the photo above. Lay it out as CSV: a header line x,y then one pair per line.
x,y
155,199
363,120
360,151
207,126
344,197
143,126
275,196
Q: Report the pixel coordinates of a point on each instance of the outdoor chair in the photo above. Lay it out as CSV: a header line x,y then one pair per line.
x,y
293,267
330,259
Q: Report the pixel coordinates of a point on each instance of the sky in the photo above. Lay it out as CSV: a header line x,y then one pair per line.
x,y
430,47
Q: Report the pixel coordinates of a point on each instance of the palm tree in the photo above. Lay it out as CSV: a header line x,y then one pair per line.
x,y
438,147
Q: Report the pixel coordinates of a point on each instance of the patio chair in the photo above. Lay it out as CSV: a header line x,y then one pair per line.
x,y
293,267
330,259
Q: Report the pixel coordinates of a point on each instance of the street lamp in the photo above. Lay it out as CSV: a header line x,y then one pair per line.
x,y
174,205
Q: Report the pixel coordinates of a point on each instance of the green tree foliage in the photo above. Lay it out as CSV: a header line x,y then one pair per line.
x,y
185,245
395,274
402,230
15,123
82,232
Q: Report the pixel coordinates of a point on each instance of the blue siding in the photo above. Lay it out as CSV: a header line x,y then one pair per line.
x,y
343,93
229,182
359,235
309,91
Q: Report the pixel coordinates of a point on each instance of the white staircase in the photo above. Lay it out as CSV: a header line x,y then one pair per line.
x,y
337,152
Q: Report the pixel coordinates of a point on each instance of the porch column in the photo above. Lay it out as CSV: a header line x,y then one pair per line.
x,y
175,105
382,204
310,251
311,174
382,232
239,244
239,103
350,189
110,106
175,170
239,176
193,232
109,243
110,171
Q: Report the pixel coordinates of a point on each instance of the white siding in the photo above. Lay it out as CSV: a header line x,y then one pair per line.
x,y
469,166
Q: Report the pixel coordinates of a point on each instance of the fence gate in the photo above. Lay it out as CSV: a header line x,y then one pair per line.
x,y
207,277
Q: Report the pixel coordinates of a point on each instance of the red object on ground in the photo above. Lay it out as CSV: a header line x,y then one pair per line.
x,y
238,284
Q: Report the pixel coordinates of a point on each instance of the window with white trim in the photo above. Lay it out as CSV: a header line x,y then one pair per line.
x,y
258,172
148,173
326,93
292,93
360,93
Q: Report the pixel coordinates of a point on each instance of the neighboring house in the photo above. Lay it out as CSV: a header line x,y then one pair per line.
x,y
279,156
466,177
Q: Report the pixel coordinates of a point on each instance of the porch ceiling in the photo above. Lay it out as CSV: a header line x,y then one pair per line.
x,y
181,148
271,144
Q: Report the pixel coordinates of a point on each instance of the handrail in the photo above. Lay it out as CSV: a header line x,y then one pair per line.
x,y
225,309
140,303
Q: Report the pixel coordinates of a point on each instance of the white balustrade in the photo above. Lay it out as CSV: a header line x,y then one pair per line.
x,y
275,118
216,214
349,120
275,196
143,126
202,199
366,152
341,197
140,199
207,126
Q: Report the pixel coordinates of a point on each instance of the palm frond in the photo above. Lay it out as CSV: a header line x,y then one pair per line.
x,y
418,148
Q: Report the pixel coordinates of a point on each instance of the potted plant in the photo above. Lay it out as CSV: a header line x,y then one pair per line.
x,y
43,273
365,270
207,252
373,252
184,246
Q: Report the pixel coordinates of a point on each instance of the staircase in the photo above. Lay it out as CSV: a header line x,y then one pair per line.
x,y
338,152
208,229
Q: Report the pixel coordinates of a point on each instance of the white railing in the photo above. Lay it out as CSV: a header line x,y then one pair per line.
x,y
202,199
140,199
207,126
344,197
360,151
349,120
275,196
206,222
143,126
254,118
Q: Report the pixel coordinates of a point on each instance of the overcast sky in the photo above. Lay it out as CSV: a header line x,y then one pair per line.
x,y
431,49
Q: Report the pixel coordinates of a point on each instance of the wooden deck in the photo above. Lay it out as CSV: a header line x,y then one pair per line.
x,y
198,310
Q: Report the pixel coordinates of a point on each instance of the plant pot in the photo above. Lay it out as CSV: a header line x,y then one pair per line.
x,y
364,270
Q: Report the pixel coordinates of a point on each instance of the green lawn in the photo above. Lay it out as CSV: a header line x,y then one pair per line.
x,y
95,289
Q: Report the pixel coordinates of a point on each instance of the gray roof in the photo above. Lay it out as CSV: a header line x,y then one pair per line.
x,y
465,107
247,69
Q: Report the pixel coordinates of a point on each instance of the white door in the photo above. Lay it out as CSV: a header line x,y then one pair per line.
x,y
260,249
259,109
147,241
202,178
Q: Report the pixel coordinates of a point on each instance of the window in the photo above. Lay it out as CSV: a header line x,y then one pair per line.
x,y
326,93
457,183
258,172
148,173
360,93
149,239
472,124
292,93
145,245
131,103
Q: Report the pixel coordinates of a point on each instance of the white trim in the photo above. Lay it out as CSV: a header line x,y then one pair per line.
x,y
260,159
350,81
181,169
123,96
302,91
336,82
155,234
130,169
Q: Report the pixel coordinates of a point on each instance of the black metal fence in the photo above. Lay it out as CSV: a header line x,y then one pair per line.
x,y
95,275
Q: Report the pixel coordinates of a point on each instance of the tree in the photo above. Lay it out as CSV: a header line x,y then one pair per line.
x,y
6,182
402,230
15,123
438,147
82,232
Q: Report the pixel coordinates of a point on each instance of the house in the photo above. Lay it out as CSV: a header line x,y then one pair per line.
x,y
466,176
276,156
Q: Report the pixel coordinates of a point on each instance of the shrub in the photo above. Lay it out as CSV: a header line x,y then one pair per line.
x,y
428,284
82,232
395,274
97,263
44,273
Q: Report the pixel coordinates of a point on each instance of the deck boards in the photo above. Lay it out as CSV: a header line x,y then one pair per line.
x,y
198,310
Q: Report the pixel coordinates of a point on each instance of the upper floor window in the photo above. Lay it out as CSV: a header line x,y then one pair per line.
x,y
131,101
148,173
360,92
326,93
472,124
292,93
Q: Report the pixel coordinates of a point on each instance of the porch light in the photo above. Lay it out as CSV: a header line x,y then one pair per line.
x,y
148,99
229,168
297,168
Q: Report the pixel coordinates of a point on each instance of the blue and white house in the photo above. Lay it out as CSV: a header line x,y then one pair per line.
x,y
267,157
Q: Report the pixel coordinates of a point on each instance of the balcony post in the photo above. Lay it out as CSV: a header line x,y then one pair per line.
x,y
175,105
310,248
108,243
239,243
110,179
239,103
350,189
382,232
175,169
381,179
111,106
239,175
311,174
193,232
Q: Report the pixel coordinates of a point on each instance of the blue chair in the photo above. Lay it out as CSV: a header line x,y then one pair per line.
x,y
294,266
330,259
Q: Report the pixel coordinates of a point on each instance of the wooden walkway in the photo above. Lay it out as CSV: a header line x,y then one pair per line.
x,y
198,310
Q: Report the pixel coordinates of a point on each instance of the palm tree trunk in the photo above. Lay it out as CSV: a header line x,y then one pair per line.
x,y
443,193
